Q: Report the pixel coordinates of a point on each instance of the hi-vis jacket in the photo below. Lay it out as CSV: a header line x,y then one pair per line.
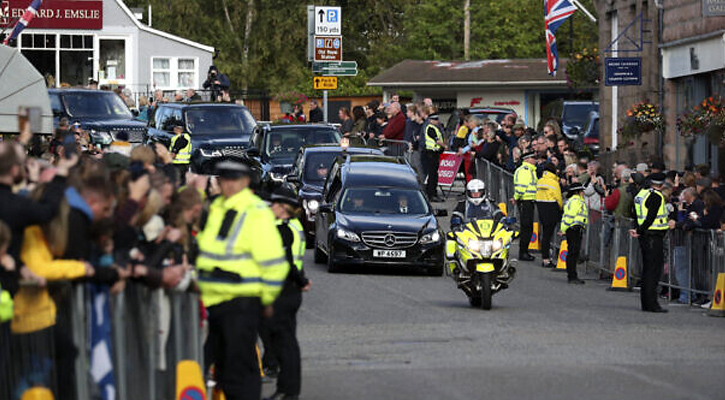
x,y
240,251
575,213
548,189
525,182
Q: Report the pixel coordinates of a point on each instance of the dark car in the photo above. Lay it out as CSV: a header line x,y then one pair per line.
x,y
218,132
483,113
101,113
276,146
590,138
306,177
374,212
574,116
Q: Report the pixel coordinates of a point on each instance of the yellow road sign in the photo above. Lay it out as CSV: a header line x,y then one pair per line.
x,y
325,82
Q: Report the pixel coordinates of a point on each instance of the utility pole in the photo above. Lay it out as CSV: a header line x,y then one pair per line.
x,y
466,30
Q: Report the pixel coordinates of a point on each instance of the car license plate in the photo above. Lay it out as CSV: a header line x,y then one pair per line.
x,y
389,253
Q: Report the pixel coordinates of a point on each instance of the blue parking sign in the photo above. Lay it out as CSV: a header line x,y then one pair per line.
x,y
332,15
336,43
320,43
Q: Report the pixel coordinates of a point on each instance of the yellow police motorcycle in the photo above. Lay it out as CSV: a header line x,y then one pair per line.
x,y
477,256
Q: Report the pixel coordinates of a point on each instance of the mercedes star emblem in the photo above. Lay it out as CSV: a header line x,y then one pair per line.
x,y
390,240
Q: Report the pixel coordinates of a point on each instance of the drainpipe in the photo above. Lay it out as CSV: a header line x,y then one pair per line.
x,y
660,28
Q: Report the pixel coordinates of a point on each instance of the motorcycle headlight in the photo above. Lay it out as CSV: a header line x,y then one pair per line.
x,y
432,237
312,206
347,235
497,245
277,176
483,247
474,245
210,153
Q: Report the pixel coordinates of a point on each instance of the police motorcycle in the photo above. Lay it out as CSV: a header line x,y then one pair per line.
x,y
477,248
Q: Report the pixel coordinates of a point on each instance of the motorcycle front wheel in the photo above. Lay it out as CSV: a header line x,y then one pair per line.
x,y
486,291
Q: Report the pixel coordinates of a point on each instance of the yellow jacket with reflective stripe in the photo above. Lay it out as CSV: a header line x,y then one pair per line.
x,y
6,306
525,182
251,249
34,309
184,155
548,189
430,143
575,213
299,245
640,207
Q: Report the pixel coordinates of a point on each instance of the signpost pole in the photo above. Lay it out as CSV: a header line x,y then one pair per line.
x,y
324,106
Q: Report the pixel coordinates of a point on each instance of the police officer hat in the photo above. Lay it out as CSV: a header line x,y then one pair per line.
x,y
285,195
232,169
178,124
434,116
657,178
528,154
574,188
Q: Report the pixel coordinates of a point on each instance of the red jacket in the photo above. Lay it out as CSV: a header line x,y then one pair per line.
x,y
395,129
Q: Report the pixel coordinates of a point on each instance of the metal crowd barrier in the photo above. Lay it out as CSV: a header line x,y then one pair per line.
x,y
150,332
692,258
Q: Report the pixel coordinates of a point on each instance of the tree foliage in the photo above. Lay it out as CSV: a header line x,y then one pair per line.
x,y
377,34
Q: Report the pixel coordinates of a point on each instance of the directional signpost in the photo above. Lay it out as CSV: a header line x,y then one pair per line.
x,y
342,68
328,48
325,82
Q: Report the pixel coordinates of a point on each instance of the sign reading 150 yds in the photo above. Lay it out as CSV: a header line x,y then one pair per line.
x,y
448,168
328,48
57,14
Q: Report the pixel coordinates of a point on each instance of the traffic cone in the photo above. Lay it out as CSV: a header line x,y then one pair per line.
x,y
189,381
535,234
561,260
37,393
620,283
717,309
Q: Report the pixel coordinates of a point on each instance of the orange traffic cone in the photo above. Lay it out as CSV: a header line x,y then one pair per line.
x,y
535,234
620,283
189,381
717,309
37,393
561,260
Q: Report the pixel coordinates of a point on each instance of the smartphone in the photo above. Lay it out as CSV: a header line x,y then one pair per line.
x,y
29,114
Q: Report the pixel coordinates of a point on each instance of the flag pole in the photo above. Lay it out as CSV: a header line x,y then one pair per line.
x,y
581,7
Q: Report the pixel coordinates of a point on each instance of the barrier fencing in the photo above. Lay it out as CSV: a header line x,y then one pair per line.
x,y
147,333
692,258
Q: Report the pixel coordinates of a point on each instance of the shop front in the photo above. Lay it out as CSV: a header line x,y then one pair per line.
x,y
70,42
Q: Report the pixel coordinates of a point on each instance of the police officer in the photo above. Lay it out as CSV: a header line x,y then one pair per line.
x,y
524,197
180,149
242,268
281,346
649,205
434,146
476,205
549,204
573,221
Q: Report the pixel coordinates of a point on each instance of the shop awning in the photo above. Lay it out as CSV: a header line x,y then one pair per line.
x,y
22,86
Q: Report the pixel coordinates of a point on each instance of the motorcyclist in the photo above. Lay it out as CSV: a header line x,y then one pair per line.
x,y
476,205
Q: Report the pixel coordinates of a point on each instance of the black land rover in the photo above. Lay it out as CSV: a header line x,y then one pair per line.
x,y
102,113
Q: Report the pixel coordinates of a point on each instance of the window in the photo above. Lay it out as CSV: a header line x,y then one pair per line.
x,y
174,73
112,63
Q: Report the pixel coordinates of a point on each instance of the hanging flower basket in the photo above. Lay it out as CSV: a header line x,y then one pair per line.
x,y
706,118
642,117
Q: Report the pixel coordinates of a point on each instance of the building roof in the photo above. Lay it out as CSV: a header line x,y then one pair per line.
x,y
415,73
157,32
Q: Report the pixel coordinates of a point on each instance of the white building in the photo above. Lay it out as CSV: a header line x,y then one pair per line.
x,y
70,42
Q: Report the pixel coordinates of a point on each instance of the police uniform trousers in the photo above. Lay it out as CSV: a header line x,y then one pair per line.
x,y
230,346
182,169
550,216
526,212
284,350
574,242
431,161
652,246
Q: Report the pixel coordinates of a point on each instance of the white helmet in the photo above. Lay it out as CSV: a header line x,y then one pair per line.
x,y
475,189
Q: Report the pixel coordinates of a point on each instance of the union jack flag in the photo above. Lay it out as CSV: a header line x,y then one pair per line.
x,y
24,20
555,13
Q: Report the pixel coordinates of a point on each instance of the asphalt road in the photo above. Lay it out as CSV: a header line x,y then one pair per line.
x,y
398,334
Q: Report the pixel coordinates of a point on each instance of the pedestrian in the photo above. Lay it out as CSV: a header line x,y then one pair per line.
x,y
549,203
242,268
461,144
360,122
180,148
282,347
572,225
217,82
316,115
652,226
524,198
434,147
346,122
395,129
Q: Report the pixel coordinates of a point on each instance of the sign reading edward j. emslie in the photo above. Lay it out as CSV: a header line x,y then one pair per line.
x,y
55,14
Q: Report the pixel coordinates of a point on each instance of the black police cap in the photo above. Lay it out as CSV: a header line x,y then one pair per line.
x,y
657,178
286,195
574,188
232,169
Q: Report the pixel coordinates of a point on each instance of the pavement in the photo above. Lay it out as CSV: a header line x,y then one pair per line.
x,y
377,333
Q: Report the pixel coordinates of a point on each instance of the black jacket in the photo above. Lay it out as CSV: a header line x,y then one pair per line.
x,y
316,115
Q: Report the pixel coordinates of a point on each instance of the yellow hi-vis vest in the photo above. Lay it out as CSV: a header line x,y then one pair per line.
x,y
525,182
575,213
299,245
240,251
184,155
430,143
6,306
640,206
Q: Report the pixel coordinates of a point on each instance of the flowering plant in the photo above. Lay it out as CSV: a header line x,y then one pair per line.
x,y
642,117
294,98
706,117
582,69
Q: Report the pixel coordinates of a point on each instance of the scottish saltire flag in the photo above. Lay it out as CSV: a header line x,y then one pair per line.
x,y
24,20
555,13
100,332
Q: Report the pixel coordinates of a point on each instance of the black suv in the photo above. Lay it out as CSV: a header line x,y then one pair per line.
x,y
102,113
308,175
276,146
483,113
218,131
375,213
